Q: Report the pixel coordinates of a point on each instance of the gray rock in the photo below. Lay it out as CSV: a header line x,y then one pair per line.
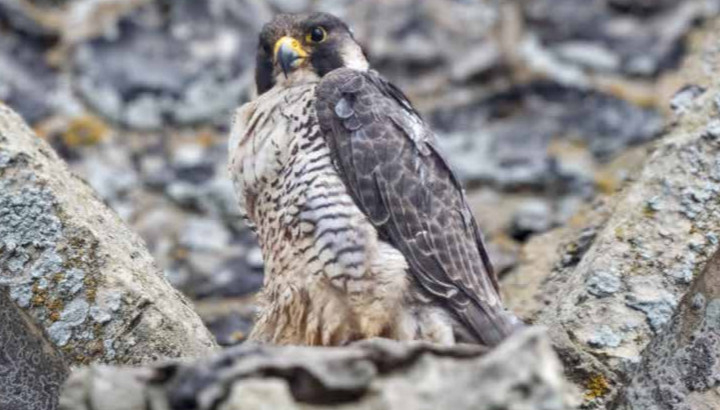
x,y
642,7
73,266
648,295
109,171
603,284
204,234
290,6
172,62
655,250
233,276
204,250
590,55
683,101
18,15
33,370
230,329
531,217
504,140
27,82
605,337
680,368
636,37
522,373
410,41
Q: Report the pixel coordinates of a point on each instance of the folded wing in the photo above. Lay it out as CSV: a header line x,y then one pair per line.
x,y
386,156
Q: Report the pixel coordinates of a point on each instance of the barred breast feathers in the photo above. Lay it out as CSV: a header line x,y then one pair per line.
x,y
315,240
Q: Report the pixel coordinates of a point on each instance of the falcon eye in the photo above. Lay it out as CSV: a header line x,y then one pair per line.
x,y
316,35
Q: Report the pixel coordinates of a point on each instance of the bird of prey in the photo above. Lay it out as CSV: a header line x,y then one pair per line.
x,y
364,229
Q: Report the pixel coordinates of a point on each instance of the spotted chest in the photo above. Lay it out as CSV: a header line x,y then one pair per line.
x,y
328,277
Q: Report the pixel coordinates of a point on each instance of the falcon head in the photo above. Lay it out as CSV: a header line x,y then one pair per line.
x,y
297,48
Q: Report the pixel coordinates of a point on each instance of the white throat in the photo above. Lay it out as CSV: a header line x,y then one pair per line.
x,y
297,77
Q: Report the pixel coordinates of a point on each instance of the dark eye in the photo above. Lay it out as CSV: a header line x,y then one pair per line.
x,y
316,35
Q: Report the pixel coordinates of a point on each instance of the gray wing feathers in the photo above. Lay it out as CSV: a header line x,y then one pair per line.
x,y
385,154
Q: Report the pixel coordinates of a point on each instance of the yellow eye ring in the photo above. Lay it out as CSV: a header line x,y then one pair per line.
x,y
316,35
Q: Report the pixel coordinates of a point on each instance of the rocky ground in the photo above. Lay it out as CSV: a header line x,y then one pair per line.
x,y
593,178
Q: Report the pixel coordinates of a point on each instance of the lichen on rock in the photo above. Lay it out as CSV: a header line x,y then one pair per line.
x,y
681,367
31,371
663,229
77,270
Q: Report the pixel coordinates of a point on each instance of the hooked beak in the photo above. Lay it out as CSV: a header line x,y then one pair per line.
x,y
289,54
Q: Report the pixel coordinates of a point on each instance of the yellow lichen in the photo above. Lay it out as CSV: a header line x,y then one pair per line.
x,y
54,316
82,360
38,300
40,296
85,130
206,137
639,93
619,233
237,336
596,386
649,211
54,305
181,253
606,182
90,288
579,220
91,295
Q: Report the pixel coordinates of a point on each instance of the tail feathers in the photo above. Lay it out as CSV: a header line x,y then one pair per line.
x,y
487,325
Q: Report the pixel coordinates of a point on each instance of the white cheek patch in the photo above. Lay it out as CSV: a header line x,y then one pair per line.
x,y
353,57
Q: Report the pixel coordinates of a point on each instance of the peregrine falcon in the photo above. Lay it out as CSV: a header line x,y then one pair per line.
x,y
364,229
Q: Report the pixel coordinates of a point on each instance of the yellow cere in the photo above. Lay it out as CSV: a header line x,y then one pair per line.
x,y
293,43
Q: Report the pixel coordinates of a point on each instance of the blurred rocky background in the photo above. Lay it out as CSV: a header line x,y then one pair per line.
x,y
544,107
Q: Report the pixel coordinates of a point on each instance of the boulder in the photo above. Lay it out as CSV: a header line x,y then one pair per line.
x,y
167,63
74,269
661,232
680,368
522,373
31,370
